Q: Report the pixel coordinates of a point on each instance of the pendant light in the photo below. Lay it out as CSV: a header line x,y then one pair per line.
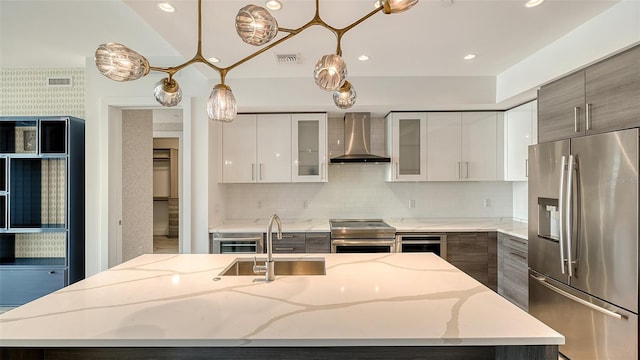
x,y
255,26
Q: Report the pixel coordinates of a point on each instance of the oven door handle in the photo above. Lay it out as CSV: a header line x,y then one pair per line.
x,y
257,238
374,242
421,242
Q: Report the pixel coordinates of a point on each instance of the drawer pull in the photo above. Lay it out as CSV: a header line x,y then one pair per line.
x,y
52,272
518,256
523,242
284,249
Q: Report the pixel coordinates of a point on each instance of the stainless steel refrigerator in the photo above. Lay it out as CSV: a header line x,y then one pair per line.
x,y
583,242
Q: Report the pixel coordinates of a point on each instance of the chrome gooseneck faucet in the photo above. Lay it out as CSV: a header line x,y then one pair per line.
x,y
268,267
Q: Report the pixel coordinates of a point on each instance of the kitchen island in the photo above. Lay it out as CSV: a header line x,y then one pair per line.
x,y
378,306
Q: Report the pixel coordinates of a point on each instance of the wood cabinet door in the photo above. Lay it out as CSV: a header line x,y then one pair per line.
x,y
444,146
469,253
238,140
613,93
513,281
561,108
274,148
479,146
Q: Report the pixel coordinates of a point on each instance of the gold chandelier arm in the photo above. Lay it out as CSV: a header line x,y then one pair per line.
x,y
316,20
359,21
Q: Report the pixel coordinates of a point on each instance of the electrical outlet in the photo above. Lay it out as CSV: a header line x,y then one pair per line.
x,y
305,204
412,204
487,203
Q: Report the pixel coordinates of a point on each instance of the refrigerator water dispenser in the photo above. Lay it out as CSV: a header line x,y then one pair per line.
x,y
549,218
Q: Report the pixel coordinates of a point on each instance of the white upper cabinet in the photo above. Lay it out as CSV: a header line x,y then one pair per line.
x,y
407,134
273,148
444,146
309,147
462,146
520,132
238,140
480,146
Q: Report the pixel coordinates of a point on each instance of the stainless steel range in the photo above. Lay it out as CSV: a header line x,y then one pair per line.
x,y
362,236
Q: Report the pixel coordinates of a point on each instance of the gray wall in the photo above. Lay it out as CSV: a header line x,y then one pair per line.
x,y
137,176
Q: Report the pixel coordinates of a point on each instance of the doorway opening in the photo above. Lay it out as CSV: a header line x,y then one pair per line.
x,y
166,200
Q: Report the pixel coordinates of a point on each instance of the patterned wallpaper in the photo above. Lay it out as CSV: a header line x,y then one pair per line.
x,y
41,245
25,92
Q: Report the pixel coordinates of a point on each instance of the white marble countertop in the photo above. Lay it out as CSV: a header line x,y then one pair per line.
x,y
504,225
411,299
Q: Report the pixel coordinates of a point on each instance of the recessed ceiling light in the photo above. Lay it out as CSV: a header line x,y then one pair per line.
x,y
214,59
363,57
166,7
470,56
532,3
274,5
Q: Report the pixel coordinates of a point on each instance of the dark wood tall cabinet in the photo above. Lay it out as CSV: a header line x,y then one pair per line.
x,y
600,98
42,206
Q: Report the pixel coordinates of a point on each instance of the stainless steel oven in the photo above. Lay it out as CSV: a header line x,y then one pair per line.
x,y
362,236
236,243
412,242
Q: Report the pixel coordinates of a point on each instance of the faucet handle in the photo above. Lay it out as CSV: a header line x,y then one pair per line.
x,y
259,269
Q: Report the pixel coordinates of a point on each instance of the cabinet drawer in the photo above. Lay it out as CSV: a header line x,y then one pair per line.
x,y
290,243
19,286
318,242
515,244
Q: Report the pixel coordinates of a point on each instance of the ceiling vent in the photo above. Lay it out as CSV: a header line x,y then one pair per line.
x,y
288,59
64,81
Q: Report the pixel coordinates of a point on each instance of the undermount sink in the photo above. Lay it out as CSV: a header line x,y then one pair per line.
x,y
283,266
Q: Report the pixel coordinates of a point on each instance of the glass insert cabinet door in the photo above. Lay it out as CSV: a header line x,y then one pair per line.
x,y
309,147
408,146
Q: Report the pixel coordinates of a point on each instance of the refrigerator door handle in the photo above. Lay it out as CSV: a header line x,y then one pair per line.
x,y
568,211
563,162
542,281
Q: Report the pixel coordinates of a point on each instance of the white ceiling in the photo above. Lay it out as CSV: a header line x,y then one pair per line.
x,y
429,40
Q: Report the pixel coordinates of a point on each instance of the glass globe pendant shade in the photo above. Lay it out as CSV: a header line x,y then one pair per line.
x,y
119,63
222,104
396,6
255,25
330,72
345,97
167,92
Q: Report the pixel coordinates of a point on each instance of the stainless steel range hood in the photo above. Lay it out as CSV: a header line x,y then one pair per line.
x,y
357,141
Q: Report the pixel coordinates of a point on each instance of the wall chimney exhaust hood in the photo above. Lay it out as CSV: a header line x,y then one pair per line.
x,y
357,141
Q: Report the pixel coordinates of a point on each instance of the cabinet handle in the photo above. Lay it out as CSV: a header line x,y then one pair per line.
x,y
587,117
518,256
526,167
576,111
459,170
467,167
284,249
523,242
322,172
260,172
52,272
253,172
